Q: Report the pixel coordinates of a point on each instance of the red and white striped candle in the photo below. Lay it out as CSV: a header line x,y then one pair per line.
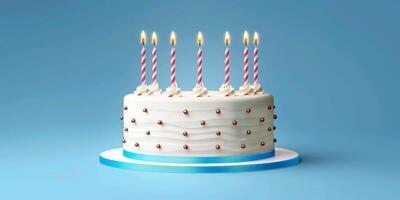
x,y
199,60
172,63
143,60
154,58
227,59
255,60
246,58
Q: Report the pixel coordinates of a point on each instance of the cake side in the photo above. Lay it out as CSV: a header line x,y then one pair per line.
x,y
194,127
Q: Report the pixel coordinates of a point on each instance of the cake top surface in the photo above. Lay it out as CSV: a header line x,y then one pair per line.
x,y
188,96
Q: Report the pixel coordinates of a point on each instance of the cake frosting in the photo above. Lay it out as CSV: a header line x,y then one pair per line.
x,y
257,88
190,126
154,88
245,89
226,90
199,90
173,90
141,90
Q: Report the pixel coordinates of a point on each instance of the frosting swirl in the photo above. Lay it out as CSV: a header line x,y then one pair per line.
x,y
257,88
141,90
173,90
245,89
154,89
226,90
199,90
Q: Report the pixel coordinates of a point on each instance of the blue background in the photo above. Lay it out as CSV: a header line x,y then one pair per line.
x,y
332,66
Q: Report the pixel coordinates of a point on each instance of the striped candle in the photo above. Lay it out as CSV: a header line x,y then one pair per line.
x,y
172,73
226,81
227,59
154,58
255,60
143,60
246,58
172,63
199,60
154,62
199,66
255,69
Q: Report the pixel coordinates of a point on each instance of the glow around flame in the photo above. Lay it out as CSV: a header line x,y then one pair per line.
x,y
227,39
256,39
173,38
199,39
246,38
154,38
143,38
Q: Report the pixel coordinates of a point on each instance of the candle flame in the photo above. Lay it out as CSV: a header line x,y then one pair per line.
x,y
154,38
199,39
143,38
246,38
173,38
227,38
256,39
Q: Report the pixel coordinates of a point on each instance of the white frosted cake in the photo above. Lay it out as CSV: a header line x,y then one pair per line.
x,y
188,126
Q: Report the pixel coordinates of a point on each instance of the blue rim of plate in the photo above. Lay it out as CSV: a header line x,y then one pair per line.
x,y
214,159
263,164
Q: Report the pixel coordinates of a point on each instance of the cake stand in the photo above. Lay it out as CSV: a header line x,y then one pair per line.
x,y
282,158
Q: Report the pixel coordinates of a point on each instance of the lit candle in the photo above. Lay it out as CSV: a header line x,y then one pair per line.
x,y
154,88
199,90
173,89
142,88
245,89
256,86
226,89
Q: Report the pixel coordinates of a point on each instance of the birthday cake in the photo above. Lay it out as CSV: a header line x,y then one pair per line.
x,y
192,126
199,130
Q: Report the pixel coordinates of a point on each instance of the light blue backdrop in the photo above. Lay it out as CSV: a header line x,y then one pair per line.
x,y
332,66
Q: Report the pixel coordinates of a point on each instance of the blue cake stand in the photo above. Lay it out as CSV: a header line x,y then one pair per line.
x,y
282,158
